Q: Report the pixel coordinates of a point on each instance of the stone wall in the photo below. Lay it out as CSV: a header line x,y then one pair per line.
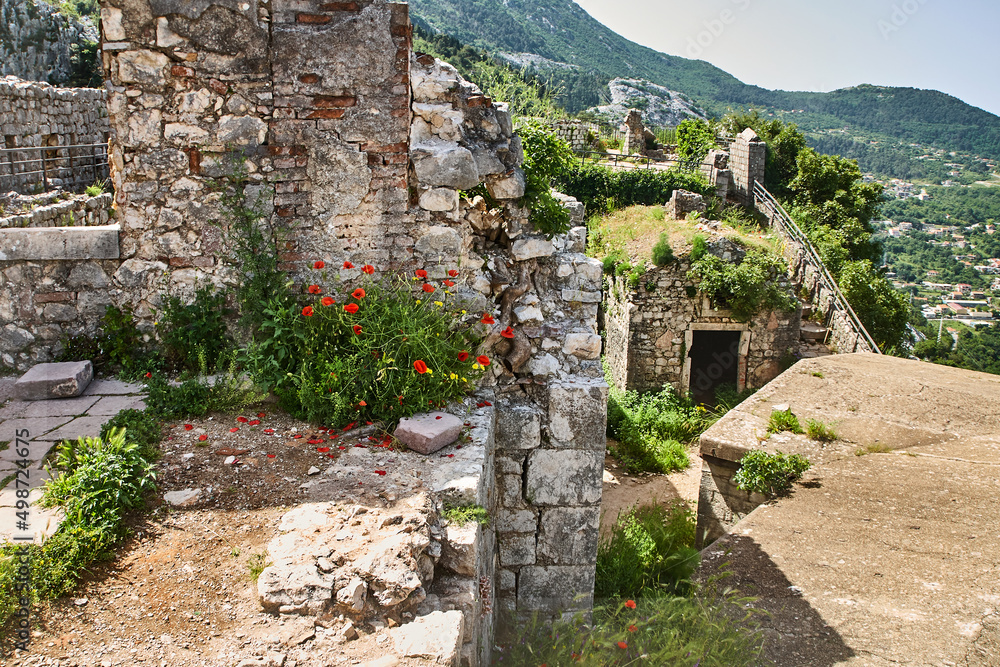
x,y
55,209
36,40
577,134
361,149
650,329
747,157
36,114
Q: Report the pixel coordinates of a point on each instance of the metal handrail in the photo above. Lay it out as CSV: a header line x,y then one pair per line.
x,y
51,159
615,157
777,212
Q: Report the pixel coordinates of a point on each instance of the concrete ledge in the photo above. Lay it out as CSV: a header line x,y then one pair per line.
x,y
99,242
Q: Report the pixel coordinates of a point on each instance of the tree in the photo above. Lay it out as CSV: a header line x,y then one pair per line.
x,y
884,311
694,139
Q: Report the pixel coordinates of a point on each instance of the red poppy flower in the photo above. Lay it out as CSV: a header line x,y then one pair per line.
x,y
322,450
632,628
254,422
358,293
234,429
483,360
148,374
453,273
622,645
319,264
348,265
270,456
368,269
357,329
419,366
420,273
364,405
427,287
351,308
242,420
188,427
488,319
463,356
448,283
507,333
328,301
315,289
202,437
630,604
308,311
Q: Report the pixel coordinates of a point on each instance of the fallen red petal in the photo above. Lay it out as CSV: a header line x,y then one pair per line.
x,y
322,450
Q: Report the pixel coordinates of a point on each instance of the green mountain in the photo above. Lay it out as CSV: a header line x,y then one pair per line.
x,y
876,124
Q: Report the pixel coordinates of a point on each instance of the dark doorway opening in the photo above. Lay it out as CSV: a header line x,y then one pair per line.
x,y
715,360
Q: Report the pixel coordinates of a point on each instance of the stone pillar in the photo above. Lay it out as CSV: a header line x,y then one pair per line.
x,y
748,155
635,141
550,464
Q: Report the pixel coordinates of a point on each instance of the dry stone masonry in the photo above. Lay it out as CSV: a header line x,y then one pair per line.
x,y
748,154
34,114
36,40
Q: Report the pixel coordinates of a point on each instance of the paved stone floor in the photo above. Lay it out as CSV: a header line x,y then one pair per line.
x,y
48,423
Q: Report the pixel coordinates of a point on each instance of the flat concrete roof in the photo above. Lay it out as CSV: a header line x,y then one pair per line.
x,y
885,558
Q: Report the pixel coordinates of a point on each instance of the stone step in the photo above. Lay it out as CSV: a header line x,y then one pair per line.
x,y
60,380
810,331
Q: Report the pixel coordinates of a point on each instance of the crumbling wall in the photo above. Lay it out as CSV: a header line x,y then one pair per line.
x,y
747,158
34,114
578,134
366,152
655,318
36,40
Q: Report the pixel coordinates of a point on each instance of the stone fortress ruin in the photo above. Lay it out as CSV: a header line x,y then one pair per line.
x,y
365,150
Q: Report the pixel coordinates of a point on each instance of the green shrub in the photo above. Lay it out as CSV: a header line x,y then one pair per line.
x,y
141,428
190,399
545,157
194,331
652,430
376,370
650,551
817,430
694,139
783,420
663,253
612,260
746,288
769,474
463,514
699,247
117,346
711,631
603,190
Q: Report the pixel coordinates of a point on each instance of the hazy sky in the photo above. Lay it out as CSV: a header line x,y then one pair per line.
x,y
947,45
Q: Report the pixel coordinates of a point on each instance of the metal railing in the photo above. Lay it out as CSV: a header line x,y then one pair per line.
x,y
619,161
75,166
765,202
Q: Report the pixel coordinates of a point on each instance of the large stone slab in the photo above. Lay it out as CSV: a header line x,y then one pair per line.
x,y
60,380
101,387
89,427
429,432
35,428
112,405
61,407
38,243
436,637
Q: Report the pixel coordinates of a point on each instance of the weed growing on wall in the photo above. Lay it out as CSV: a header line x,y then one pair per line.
x,y
603,190
545,157
746,288
663,253
769,474
783,420
817,430
193,332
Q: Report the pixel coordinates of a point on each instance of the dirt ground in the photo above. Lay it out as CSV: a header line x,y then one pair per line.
x,y
622,490
181,593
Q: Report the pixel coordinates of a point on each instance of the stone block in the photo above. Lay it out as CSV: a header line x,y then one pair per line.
x,y
112,405
506,186
427,433
439,199
439,163
437,637
555,588
583,345
81,427
580,296
142,66
460,547
569,535
43,243
578,415
183,498
101,387
519,428
516,521
60,380
516,549
530,248
509,490
564,477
